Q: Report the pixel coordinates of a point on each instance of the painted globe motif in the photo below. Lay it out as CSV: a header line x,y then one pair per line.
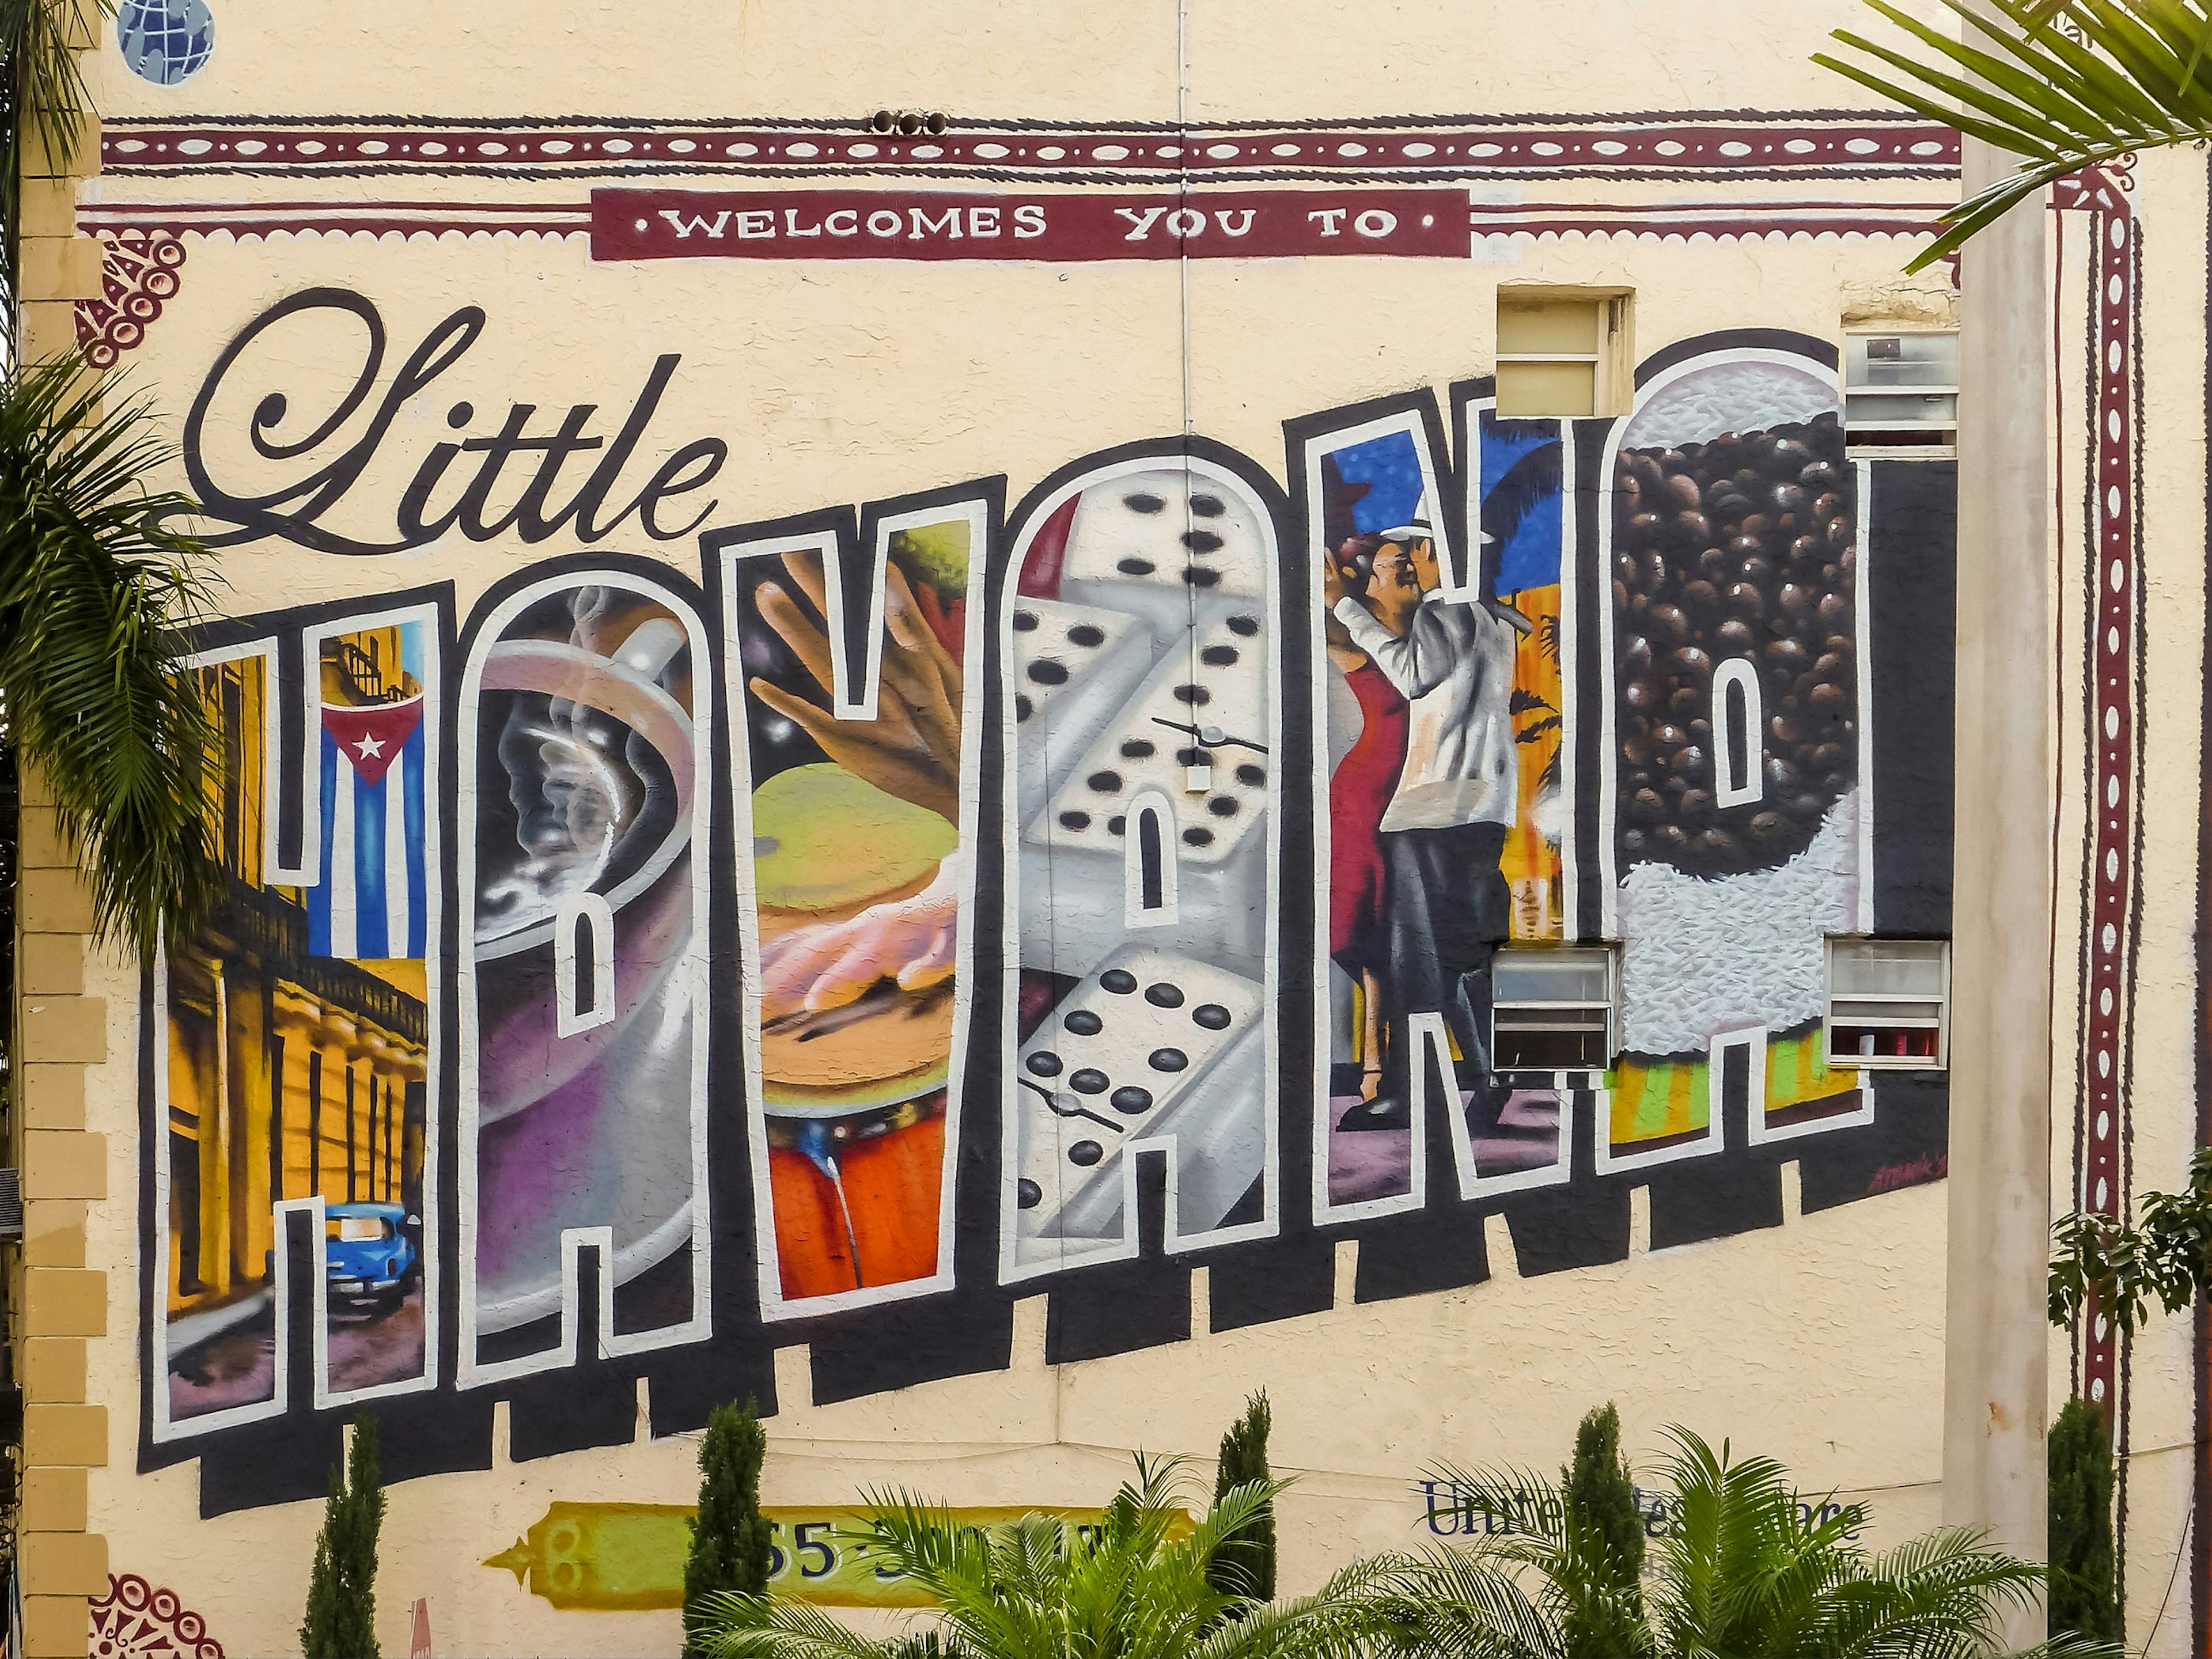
x,y
164,41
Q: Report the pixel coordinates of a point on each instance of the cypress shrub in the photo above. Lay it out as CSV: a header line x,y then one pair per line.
x,y
2084,1589
1245,1564
1605,1530
729,1535
341,1621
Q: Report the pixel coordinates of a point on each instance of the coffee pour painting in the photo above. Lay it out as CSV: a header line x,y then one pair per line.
x,y
582,972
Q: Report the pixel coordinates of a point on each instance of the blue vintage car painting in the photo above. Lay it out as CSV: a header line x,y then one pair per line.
x,y
369,1252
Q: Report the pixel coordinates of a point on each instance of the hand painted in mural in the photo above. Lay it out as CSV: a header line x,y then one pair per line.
x,y
583,934
910,750
1138,647
857,884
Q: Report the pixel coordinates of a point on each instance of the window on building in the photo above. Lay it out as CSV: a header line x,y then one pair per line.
x,y
1901,392
1563,352
1551,1009
1888,1003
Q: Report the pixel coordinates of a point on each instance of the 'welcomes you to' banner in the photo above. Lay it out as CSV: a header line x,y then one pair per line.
x,y
853,224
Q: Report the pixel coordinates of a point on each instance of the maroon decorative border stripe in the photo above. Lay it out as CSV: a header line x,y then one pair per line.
x,y
2108,947
1740,145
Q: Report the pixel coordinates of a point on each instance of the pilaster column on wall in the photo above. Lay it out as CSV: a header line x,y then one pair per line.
x,y
59,267
58,1300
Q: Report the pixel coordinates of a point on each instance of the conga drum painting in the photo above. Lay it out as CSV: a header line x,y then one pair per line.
x,y
1736,556
1141,731
853,797
584,915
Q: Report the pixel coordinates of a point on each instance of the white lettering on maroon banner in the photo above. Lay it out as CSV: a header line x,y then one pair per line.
x,y
894,224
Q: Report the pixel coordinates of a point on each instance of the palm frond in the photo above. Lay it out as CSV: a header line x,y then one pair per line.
x,y
1459,1604
2064,84
94,593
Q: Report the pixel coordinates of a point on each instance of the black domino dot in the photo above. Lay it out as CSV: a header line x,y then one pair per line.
x,y
1120,981
1201,541
1074,820
1143,501
1208,507
1167,1059
1088,1081
1138,749
1117,825
1024,621
1251,776
1222,806
1196,695
1085,1153
1217,656
1192,757
1164,996
1198,576
1023,707
1106,783
1198,836
1047,671
1086,634
1027,1193
1044,1063
1211,1015
1248,626
1134,566
1130,1100
1084,1022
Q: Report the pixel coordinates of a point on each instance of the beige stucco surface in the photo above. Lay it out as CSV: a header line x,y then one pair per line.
x,y
1820,1342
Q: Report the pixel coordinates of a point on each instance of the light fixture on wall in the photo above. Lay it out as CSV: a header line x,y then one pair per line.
x,y
908,123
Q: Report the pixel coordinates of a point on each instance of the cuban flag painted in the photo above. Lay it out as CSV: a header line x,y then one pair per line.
x,y
371,900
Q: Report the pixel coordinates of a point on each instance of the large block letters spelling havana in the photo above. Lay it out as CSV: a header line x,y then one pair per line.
x,y
831,929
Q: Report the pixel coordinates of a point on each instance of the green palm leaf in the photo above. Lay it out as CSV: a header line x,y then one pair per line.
x,y
1133,1587
94,590
2064,84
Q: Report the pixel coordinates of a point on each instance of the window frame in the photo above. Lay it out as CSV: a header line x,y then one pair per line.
x,y
1940,1061
1612,363
1896,439
1611,954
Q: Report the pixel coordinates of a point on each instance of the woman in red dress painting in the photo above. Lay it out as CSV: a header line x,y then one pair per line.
x,y
1360,787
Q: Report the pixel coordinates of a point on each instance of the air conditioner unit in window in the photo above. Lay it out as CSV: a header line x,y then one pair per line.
x,y
1551,1009
1888,999
1901,394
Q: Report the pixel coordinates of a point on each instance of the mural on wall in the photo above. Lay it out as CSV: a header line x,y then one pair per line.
x,y
1141,725
853,792
630,1556
136,1619
298,1068
1006,982
582,969
1445,705
1737,748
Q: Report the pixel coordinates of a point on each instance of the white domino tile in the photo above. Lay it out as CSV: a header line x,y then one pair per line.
x,y
1154,1048
1205,702
1075,666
